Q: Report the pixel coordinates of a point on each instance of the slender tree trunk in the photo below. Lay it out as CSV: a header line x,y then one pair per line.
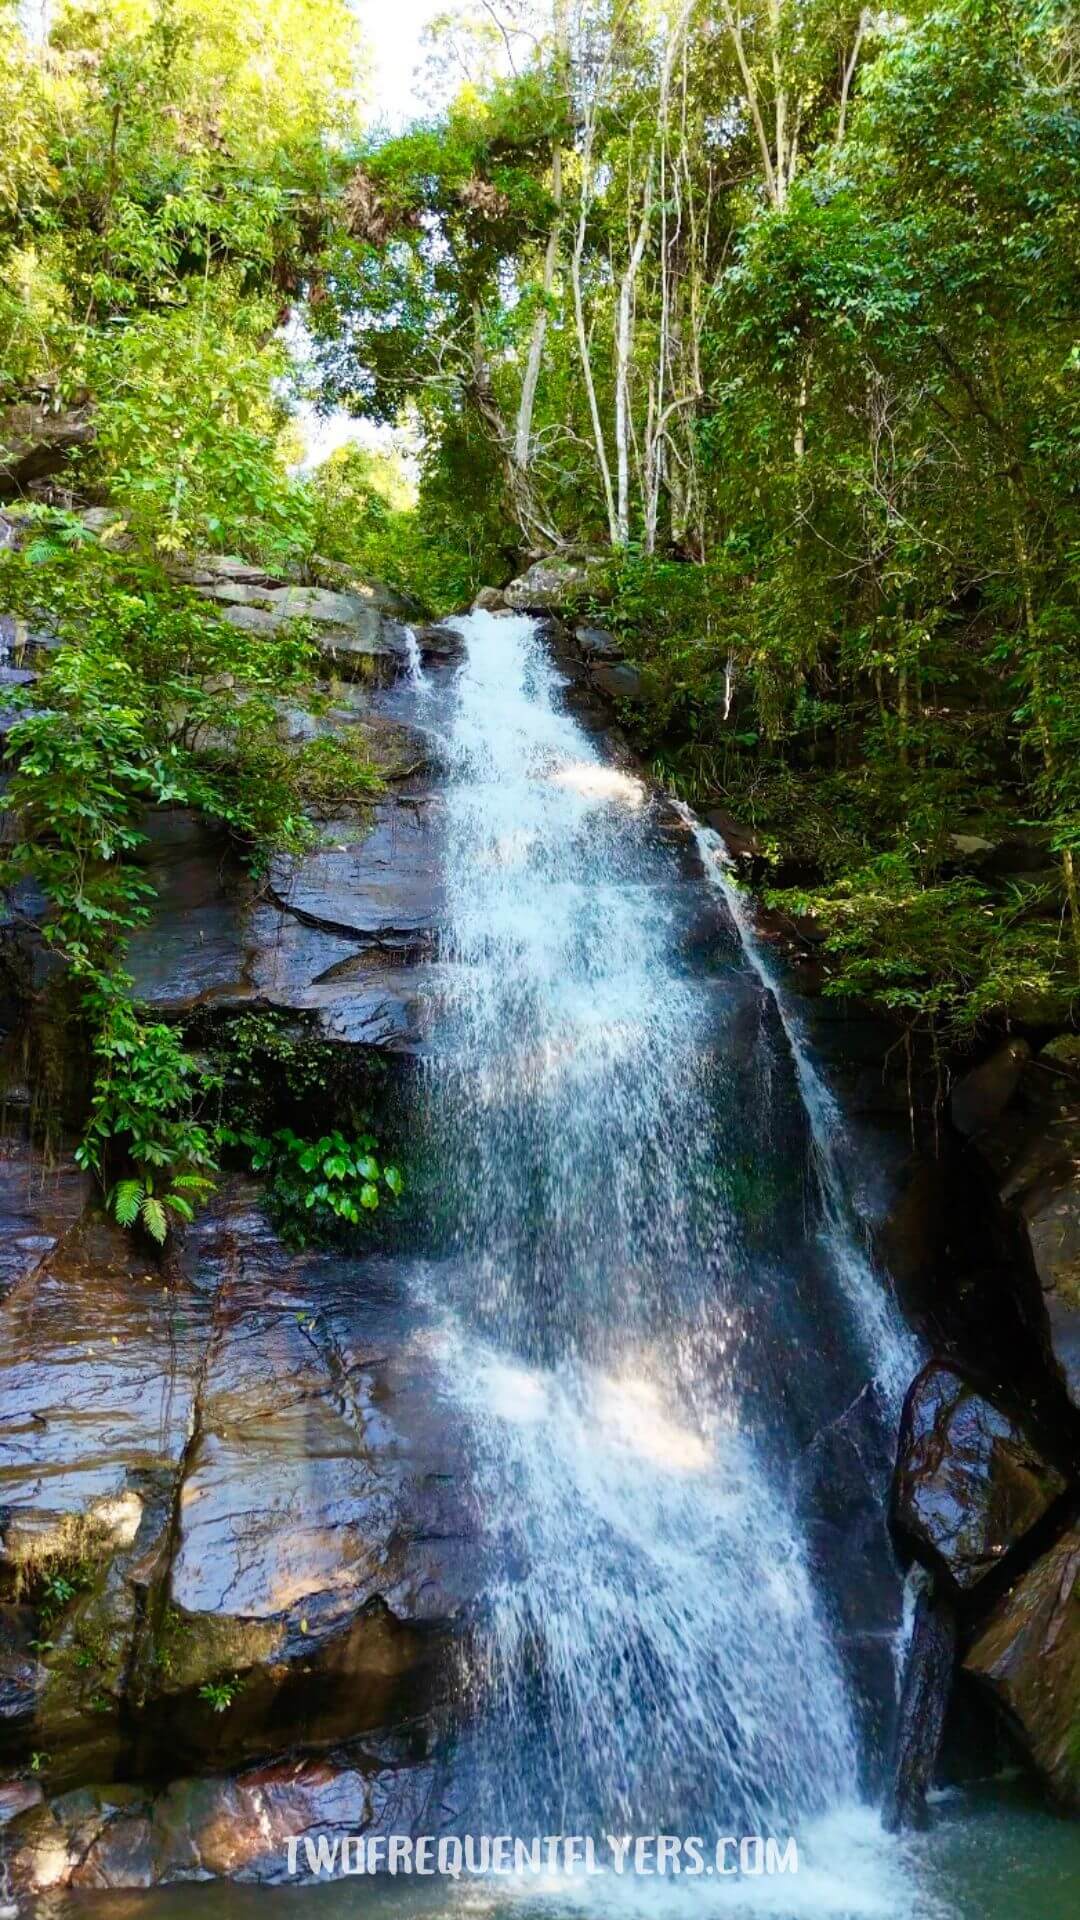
x,y
530,381
624,333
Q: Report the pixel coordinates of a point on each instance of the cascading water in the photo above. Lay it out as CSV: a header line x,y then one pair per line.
x,y
414,661
891,1347
655,1656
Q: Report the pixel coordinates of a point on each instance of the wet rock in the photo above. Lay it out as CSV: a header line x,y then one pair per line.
x,y
18,1796
38,1205
1032,1151
319,948
558,582
247,1477
924,1700
490,600
741,841
378,879
220,1827
981,1095
439,642
842,1481
597,643
98,1375
616,680
21,1673
970,1481
1028,1656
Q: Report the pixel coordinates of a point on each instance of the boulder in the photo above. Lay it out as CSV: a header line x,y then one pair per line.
x,y
1027,1654
490,600
440,642
616,680
1008,851
1032,1151
35,441
984,1093
597,643
559,582
222,1827
356,637
970,1482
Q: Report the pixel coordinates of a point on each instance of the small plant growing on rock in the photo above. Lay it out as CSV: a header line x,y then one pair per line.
x,y
53,1569
324,1184
219,1694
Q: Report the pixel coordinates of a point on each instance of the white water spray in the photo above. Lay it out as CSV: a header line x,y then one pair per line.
x,y
414,661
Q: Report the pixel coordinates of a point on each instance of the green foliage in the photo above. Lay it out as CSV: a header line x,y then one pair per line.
x,y
220,1694
150,699
318,1187
187,430
438,540
943,956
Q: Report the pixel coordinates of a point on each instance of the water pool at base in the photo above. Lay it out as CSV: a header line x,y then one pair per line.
x,y
994,1854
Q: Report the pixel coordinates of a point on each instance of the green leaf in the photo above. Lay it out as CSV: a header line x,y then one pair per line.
x,y
153,1214
125,1202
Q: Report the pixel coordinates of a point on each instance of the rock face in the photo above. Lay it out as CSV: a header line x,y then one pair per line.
x,y
617,680
970,1483
557,583
357,638
234,1827
37,1206
376,879
330,939
1031,1147
1028,1656
246,1478
983,1094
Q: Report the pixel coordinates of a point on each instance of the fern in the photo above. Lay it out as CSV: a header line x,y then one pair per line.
x,y
154,1219
125,1202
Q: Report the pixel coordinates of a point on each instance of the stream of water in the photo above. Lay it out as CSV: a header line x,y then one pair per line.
x,y
656,1650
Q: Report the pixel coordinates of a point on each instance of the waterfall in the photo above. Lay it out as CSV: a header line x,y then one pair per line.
x,y
654,1655
414,660
891,1348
